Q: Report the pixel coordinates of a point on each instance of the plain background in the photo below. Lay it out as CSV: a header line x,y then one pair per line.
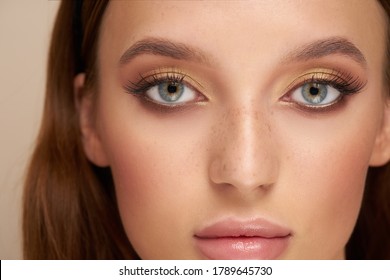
x,y
25,27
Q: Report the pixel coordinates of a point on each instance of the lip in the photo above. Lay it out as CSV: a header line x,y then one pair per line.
x,y
233,239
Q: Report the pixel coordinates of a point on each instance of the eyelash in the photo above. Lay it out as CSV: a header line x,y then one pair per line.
x,y
152,80
345,83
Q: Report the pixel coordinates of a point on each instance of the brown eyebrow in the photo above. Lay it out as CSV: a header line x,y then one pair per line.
x,y
329,46
180,51
163,47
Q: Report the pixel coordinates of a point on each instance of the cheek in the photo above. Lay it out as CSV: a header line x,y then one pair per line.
x,y
331,189
156,172
326,204
326,161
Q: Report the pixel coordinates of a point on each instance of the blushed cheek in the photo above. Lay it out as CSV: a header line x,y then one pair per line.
x,y
155,173
341,199
326,158
142,199
346,179
331,194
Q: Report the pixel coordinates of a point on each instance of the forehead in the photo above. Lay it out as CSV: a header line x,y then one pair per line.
x,y
239,31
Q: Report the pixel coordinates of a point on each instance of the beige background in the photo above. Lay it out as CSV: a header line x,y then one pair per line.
x,y
25,27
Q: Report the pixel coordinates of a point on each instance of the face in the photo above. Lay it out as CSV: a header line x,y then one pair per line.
x,y
240,129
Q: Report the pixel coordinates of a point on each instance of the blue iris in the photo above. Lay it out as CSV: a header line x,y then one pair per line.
x,y
170,91
314,93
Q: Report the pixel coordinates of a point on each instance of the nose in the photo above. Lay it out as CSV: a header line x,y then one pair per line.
x,y
245,155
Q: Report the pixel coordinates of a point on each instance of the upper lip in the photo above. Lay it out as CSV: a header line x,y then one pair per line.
x,y
234,228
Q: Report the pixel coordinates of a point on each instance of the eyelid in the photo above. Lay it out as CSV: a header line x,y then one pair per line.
x,y
345,83
163,75
160,75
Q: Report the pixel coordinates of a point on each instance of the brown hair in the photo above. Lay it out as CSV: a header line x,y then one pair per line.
x,y
70,210
69,205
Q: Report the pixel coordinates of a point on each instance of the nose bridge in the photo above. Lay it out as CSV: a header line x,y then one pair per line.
x,y
245,156
243,131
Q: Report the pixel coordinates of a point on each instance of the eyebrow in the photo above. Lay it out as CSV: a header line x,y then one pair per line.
x,y
163,47
180,51
325,47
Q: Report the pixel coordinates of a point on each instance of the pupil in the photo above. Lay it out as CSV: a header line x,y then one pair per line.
x,y
314,91
172,88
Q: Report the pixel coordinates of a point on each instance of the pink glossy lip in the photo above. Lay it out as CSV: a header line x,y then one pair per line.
x,y
234,239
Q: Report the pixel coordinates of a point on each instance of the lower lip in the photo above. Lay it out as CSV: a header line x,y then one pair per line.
x,y
242,248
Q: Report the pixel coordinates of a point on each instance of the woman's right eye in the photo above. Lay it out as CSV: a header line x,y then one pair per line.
x,y
167,88
171,93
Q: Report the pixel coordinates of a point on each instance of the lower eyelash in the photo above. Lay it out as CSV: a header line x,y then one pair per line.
x,y
308,109
347,84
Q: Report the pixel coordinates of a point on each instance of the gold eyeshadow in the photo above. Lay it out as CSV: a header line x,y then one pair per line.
x,y
344,83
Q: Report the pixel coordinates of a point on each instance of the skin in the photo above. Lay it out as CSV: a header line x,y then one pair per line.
x,y
242,151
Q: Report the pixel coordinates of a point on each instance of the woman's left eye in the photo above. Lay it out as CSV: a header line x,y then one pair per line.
x,y
171,92
315,94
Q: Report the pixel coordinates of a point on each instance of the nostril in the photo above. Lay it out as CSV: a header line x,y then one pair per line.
x,y
240,176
